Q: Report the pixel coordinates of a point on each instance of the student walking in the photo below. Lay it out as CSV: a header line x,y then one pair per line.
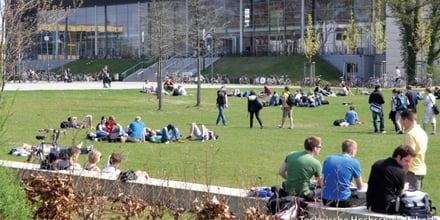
x,y
376,101
222,103
254,107
286,109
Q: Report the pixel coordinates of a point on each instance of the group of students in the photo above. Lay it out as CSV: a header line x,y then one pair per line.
x,y
67,159
332,184
400,102
136,131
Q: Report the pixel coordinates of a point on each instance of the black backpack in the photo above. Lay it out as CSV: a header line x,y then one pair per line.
x,y
291,101
416,204
259,104
127,175
338,122
64,124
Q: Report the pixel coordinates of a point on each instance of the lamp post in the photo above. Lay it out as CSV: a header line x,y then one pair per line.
x,y
46,38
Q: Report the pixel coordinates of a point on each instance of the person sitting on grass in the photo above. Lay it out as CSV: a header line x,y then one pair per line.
x,y
274,99
147,87
87,122
180,91
344,90
101,129
168,134
168,85
113,127
136,131
351,116
113,164
93,159
67,159
202,135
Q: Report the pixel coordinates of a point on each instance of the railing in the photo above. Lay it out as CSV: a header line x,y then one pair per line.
x,y
135,68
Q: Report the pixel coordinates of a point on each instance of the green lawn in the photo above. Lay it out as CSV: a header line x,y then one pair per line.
x,y
242,157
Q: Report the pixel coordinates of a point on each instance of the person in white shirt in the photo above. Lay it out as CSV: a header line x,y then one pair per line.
x,y
429,116
181,90
113,163
397,75
147,87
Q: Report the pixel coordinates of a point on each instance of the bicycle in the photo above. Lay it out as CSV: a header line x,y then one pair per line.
x,y
41,151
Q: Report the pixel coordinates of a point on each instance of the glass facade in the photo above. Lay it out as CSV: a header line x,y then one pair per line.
x,y
254,27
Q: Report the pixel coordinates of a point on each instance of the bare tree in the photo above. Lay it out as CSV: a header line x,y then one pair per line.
x,y
162,33
326,20
205,19
19,20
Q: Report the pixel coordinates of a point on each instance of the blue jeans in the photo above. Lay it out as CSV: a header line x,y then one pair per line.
x,y
380,115
169,136
221,114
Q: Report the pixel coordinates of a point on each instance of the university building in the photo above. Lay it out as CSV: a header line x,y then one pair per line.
x,y
113,28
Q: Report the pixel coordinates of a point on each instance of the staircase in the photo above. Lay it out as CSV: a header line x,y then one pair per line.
x,y
176,67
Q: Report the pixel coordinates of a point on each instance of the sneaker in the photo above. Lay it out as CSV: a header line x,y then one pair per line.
x,y
400,132
383,132
432,132
167,142
280,126
290,127
188,138
180,141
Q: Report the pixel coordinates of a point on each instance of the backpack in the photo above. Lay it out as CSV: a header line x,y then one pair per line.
x,y
114,137
127,175
221,100
416,204
291,101
287,207
259,104
401,103
64,124
338,122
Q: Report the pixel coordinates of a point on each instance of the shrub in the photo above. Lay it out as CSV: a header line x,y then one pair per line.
x,y
13,203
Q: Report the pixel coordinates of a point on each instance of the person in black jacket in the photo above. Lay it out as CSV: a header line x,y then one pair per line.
x,y
387,180
254,107
376,101
222,103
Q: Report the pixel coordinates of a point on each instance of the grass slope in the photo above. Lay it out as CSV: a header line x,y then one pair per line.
x,y
293,66
94,66
233,67
242,157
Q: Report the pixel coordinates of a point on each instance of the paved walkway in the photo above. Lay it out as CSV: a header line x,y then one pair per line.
x,y
98,85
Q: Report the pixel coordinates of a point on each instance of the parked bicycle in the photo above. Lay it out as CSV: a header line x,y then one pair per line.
x,y
38,154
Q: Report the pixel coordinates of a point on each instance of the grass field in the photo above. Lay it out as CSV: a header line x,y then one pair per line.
x,y
242,157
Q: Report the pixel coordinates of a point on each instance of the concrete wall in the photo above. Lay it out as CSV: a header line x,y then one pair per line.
x,y
182,194
178,194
